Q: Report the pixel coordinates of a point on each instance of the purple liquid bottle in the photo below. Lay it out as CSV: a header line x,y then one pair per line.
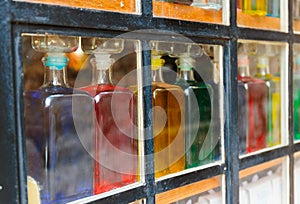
x,y
59,128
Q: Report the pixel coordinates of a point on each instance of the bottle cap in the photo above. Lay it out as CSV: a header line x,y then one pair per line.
x,y
243,60
186,63
102,61
56,61
263,62
156,62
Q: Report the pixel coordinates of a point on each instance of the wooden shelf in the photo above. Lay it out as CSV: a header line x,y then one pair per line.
x,y
188,190
260,167
186,12
124,6
260,22
297,25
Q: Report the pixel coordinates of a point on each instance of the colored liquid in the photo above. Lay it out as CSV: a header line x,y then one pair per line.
x,y
59,128
255,7
168,125
116,140
256,102
199,141
274,104
296,107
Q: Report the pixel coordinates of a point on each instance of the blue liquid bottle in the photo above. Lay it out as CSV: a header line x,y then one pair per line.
x,y
198,106
59,128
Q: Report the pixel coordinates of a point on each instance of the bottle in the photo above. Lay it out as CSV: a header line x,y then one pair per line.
x,y
208,4
255,7
296,93
296,9
274,104
273,8
198,116
116,140
59,128
252,108
168,122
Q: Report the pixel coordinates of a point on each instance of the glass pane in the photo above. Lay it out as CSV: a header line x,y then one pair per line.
x,y
80,118
202,192
296,15
124,6
262,14
296,91
296,177
265,183
211,11
187,105
261,95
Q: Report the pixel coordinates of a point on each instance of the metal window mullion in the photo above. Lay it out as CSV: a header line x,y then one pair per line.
x,y
231,143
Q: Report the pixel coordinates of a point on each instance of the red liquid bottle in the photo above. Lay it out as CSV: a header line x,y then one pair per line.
x,y
253,94
115,142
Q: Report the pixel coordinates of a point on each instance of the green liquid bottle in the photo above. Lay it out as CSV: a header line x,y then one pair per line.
x,y
296,93
198,136
274,104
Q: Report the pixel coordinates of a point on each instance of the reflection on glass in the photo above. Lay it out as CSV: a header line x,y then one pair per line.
x,y
263,184
203,192
59,128
115,107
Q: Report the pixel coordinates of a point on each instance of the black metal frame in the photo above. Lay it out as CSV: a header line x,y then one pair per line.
x,y
21,17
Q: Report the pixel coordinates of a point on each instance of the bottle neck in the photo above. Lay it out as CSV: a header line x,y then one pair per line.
x,y
55,70
263,66
101,65
156,65
157,75
243,65
187,75
185,65
103,77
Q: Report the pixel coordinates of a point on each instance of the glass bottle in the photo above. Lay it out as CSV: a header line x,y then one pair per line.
x,y
274,104
255,7
273,8
296,92
198,115
116,140
296,9
208,4
59,128
252,108
168,122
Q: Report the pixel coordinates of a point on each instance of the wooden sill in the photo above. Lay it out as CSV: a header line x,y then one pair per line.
x,y
260,167
125,6
188,190
186,12
260,22
297,26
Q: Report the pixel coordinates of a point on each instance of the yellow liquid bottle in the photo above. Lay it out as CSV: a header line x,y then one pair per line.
x,y
255,7
274,101
168,105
